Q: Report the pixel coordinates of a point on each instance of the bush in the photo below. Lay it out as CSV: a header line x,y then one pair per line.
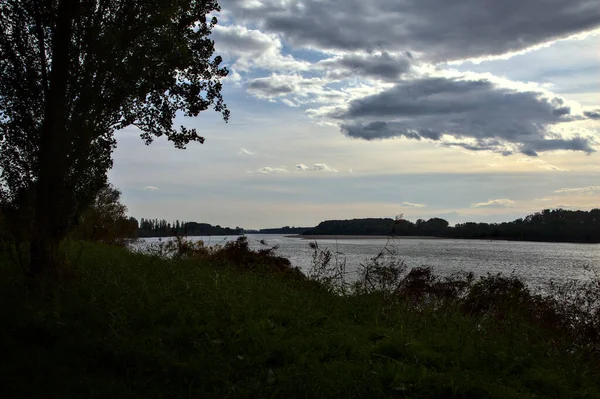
x,y
567,315
235,254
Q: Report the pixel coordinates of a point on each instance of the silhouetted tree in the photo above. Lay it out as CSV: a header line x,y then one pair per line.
x,y
72,72
105,219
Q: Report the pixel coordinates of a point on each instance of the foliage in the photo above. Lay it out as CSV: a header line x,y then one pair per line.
x,y
72,72
569,312
547,225
233,254
328,269
163,228
106,219
136,326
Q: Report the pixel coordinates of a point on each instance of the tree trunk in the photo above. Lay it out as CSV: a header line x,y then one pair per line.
x,y
50,213
44,257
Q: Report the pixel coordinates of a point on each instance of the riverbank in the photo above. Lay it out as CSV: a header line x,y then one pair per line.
x,y
128,325
380,237
360,237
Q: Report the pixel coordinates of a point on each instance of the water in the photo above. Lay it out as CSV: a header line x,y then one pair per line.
x,y
535,262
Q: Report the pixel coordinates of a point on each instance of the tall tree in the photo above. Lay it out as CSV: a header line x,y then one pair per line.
x,y
72,72
105,219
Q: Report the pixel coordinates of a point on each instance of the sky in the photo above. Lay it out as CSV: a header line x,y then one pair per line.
x,y
469,110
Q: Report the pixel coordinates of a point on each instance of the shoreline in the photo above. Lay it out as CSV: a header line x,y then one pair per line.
x,y
359,237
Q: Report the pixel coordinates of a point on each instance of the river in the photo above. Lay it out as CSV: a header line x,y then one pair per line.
x,y
535,262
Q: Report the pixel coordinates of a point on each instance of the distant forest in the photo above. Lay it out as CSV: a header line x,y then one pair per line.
x,y
163,228
559,225
547,225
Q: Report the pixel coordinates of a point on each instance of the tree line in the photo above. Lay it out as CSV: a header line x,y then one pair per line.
x,y
548,225
163,228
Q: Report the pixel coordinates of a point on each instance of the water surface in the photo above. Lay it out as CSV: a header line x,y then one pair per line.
x,y
536,262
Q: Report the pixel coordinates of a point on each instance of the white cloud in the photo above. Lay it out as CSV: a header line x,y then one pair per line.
x,y
251,48
290,103
412,205
268,169
244,151
502,202
150,188
580,190
541,164
323,167
319,167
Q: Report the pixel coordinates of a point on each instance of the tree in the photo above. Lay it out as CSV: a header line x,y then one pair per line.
x,y
72,72
106,218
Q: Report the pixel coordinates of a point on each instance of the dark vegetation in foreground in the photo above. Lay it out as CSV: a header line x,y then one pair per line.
x,y
228,322
548,225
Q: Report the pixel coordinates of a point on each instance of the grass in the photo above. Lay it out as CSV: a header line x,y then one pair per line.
x,y
135,326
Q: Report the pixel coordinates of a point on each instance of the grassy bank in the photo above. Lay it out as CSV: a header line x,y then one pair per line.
x,y
135,326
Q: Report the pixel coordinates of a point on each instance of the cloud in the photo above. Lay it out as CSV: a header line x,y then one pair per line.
x,y
323,167
316,167
503,202
384,66
579,190
282,85
150,188
268,169
438,29
480,115
290,103
542,164
412,205
250,48
244,151
593,114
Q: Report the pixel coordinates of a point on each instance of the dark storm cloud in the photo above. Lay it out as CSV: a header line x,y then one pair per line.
x,y
281,85
439,29
381,130
484,116
267,87
593,114
379,66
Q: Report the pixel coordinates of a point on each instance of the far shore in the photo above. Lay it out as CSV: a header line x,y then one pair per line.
x,y
360,237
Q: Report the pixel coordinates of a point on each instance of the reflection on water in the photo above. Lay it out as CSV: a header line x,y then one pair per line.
x,y
536,262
